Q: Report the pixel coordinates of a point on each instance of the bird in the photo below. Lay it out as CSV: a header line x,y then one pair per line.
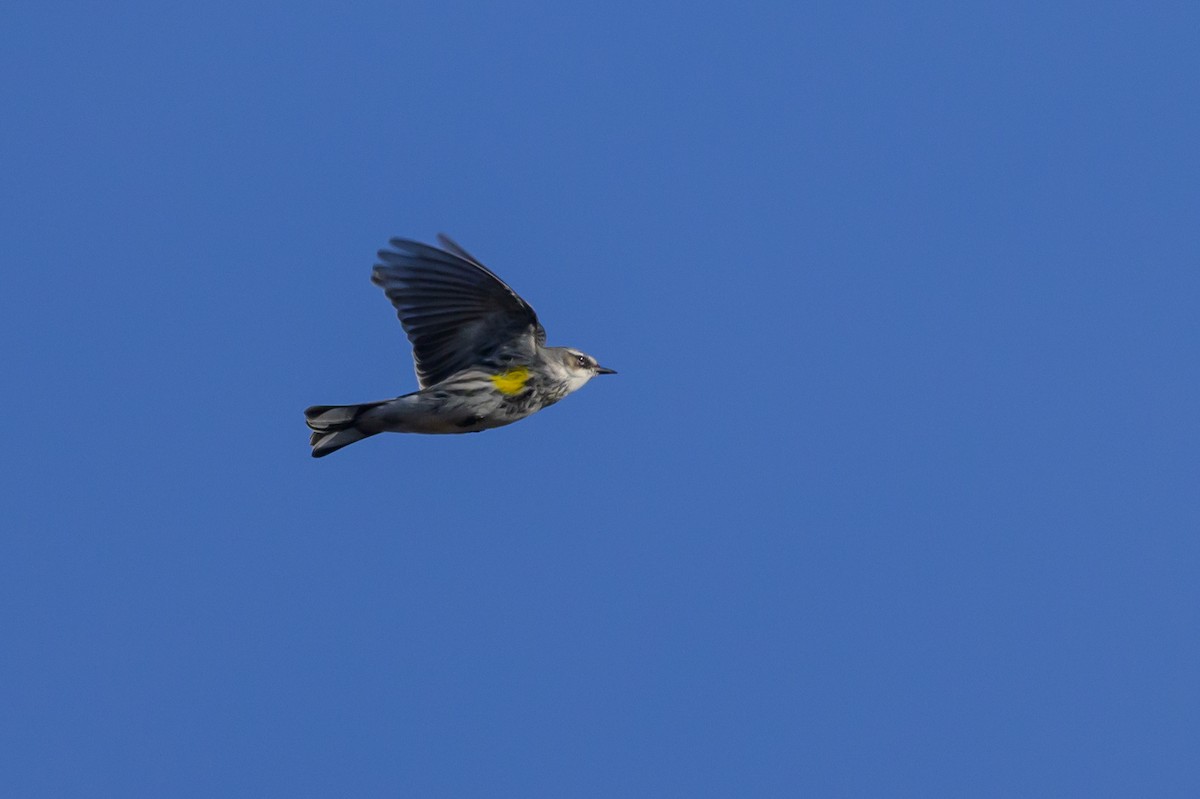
x,y
479,350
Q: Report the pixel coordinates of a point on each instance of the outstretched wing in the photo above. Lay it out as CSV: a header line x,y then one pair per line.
x,y
455,311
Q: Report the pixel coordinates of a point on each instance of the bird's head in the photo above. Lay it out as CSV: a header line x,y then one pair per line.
x,y
579,367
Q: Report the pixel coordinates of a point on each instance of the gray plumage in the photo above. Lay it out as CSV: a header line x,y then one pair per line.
x,y
480,353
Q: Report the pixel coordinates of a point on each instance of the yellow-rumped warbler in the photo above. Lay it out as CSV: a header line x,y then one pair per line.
x,y
480,352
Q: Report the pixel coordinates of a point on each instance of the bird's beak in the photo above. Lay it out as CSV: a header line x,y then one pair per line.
x,y
601,370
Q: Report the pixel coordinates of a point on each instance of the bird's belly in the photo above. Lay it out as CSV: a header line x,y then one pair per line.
x,y
438,413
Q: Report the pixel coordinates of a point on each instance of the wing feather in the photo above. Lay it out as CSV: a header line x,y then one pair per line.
x,y
454,309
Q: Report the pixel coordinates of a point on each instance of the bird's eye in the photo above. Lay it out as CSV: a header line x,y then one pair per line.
x,y
582,361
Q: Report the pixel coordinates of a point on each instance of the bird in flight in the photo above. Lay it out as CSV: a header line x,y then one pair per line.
x,y
479,350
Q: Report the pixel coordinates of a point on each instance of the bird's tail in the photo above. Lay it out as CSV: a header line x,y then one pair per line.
x,y
335,426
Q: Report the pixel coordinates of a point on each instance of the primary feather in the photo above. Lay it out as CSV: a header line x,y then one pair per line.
x,y
453,308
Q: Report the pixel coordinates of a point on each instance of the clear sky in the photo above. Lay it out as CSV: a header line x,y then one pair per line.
x,y
896,493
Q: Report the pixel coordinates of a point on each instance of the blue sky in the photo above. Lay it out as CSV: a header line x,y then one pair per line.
x,y
895,493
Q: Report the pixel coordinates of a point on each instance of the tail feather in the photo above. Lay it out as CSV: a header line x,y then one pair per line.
x,y
334,427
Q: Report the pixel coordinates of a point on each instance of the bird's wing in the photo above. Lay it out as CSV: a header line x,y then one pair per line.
x,y
453,308
452,246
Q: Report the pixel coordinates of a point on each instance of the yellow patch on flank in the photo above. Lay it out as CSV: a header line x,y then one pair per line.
x,y
512,381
